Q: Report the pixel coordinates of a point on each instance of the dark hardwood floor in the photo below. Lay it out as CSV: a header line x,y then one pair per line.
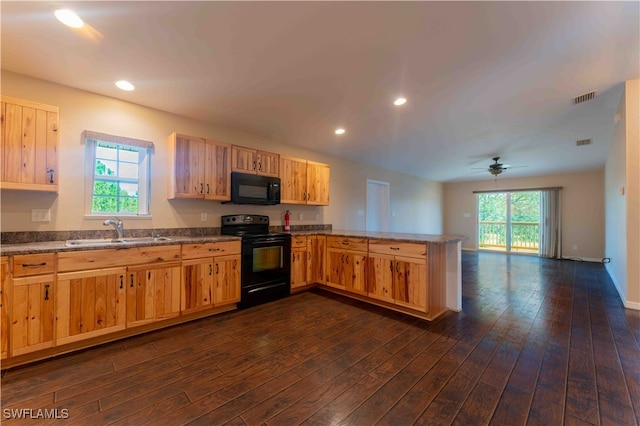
x,y
538,342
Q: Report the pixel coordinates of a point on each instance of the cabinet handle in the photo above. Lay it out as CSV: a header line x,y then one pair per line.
x,y
309,255
210,269
33,265
217,268
149,275
345,243
259,166
215,249
397,264
342,258
208,189
121,282
201,188
50,171
391,266
46,292
293,257
131,276
254,164
394,248
304,196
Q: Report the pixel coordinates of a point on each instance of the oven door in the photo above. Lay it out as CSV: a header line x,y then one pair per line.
x,y
266,269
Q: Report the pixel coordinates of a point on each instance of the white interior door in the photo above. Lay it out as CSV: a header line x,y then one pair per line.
x,y
377,218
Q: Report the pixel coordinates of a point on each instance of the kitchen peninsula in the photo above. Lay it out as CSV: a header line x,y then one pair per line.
x,y
87,295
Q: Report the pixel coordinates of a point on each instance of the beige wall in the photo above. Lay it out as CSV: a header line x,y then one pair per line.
x,y
81,110
582,209
622,191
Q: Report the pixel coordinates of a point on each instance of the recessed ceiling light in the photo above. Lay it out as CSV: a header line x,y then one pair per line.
x,y
125,85
340,131
400,101
69,18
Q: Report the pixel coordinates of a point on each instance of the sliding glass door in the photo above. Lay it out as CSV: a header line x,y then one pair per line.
x,y
509,221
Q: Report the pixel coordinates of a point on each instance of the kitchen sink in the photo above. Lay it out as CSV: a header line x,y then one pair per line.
x,y
113,241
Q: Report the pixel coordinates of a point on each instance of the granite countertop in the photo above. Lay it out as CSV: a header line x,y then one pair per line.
x,y
388,236
60,246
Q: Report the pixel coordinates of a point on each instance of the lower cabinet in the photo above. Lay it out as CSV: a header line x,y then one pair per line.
x,y
210,275
5,307
316,246
299,262
90,303
398,274
32,313
226,283
347,270
153,293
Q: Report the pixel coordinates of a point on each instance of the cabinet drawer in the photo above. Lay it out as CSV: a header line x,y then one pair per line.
x,y
33,264
194,251
398,249
359,244
96,259
298,241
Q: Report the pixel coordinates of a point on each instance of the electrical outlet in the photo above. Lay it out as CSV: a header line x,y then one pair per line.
x,y
300,216
203,216
40,215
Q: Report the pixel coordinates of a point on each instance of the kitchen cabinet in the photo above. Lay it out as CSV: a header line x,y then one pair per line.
x,y
247,160
347,264
226,283
153,293
398,274
199,168
304,182
316,247
32,303
210,275
90,303
5,307
299,261
29,145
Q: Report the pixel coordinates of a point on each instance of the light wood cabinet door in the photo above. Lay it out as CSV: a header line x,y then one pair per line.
x,y
317,184
316,247
355,272
217,170
268,164
380,277
226,281
5,308
197,285
32,303
293,180
29,145
410,283
335,260
248,160
298,267
89,304
186,166
153,293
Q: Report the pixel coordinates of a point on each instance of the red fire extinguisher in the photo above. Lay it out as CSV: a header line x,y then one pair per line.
x,y
287,221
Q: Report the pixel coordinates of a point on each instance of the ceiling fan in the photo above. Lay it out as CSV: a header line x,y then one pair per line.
x,y
496,168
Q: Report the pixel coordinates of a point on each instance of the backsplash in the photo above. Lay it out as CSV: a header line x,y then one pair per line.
x,y
42,236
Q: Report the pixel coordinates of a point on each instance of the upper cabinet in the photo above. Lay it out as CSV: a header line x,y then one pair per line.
x,y
303,182
29,145
199,168
247,160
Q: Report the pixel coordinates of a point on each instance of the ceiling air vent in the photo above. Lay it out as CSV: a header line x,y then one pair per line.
x,y
584,98
584,142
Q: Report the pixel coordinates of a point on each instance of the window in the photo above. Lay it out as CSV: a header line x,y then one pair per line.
x,y
117,173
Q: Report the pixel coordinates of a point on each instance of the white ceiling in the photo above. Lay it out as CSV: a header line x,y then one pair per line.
x,y
482,79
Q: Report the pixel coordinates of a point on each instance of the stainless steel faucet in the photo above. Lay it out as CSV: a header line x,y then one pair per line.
x,y
119,226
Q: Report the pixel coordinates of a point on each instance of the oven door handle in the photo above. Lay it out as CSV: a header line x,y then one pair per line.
x,y
264,288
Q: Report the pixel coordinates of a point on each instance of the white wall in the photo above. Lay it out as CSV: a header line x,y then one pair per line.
x,y
622,191
416,202
582,209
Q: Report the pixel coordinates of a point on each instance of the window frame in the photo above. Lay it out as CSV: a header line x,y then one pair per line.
x,y
145,150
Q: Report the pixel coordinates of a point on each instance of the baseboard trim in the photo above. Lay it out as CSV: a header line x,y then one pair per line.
x,y
629,305
632,305
584,259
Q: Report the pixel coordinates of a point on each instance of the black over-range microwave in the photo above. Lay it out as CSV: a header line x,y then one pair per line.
x,y
254,189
